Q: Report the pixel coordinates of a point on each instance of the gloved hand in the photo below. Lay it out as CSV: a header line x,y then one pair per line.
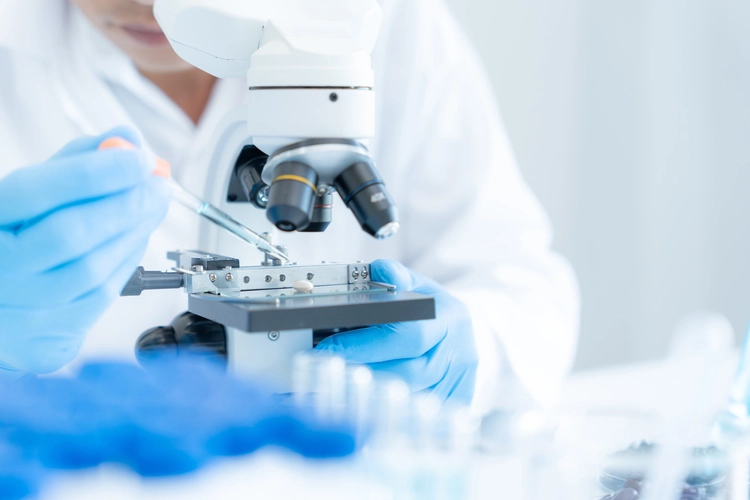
x,y
437,355
72,231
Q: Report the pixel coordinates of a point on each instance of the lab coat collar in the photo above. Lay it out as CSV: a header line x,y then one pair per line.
x,y
36,28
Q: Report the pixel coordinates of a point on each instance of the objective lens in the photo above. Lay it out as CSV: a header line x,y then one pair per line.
x,y
322,212
365,194
291,196
388,230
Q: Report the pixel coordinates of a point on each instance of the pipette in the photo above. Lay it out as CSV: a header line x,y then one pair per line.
x,y
223,220
201,207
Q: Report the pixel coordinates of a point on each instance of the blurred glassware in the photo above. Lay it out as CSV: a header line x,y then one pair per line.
x,y
702,332
611,454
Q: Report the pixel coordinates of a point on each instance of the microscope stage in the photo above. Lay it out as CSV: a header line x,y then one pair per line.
x,y
327,308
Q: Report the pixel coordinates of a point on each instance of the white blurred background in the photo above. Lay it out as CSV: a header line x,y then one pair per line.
x,y
631,121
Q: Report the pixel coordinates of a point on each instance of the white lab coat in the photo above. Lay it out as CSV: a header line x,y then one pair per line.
x,y
468,219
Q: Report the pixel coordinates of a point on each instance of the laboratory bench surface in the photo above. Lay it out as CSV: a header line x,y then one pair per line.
x,y
649,387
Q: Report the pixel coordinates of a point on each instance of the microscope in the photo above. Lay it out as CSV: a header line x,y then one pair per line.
x,y
302,137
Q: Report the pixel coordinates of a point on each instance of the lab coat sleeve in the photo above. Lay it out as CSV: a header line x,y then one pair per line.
x,y
470,220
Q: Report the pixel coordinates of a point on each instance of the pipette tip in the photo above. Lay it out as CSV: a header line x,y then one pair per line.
x,y
276,253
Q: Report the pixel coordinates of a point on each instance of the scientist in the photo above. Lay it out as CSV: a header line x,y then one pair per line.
x,y
75,222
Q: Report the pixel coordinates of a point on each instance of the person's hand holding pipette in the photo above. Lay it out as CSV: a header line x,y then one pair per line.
x,y
72,231
202,207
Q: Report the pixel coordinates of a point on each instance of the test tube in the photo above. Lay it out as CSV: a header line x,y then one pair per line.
x,y
463,430
319,383
391,413
359,393
302,368
425,410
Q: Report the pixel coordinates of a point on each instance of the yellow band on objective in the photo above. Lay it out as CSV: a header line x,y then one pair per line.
x,y
298,179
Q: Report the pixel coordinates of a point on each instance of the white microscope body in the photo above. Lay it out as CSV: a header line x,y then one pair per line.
x,y
295,53
310,113
311,97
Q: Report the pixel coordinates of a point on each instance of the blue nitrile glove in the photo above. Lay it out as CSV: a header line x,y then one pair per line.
x,y
439,355
72,231
20,476
181,414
